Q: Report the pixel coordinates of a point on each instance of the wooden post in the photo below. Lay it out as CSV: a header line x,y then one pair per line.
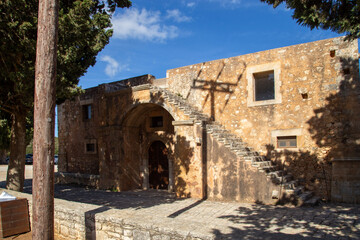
x,y
44,121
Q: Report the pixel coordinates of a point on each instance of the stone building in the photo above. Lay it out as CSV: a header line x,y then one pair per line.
x,y
281,124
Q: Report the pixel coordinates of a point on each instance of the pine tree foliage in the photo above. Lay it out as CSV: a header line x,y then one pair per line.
x,y
341,16
84,30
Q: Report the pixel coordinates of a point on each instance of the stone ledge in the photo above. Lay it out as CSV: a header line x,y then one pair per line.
x,y
141,87
183,123
77,178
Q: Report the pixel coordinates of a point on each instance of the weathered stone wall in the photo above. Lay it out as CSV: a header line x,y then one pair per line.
x,y
316,99
231,178
75,132
77,178
188,170
120,129
317,90
346,181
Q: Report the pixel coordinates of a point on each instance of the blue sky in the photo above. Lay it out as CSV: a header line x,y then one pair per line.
x,y
156,35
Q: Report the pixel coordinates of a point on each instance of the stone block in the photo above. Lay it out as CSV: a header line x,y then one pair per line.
x,y
128,232
64,231
141,234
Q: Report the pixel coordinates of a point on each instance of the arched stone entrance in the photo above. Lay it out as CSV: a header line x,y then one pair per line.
x,y
126,123
158,166
146,148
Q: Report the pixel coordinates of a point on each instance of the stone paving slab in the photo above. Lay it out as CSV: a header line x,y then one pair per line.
x,y
211,220
207,219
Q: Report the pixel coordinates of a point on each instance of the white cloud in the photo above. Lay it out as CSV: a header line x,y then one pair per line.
x,y
177,16
113,66
238,3
143,25
190,4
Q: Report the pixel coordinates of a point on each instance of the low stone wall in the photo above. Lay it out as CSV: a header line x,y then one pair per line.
x,y
77,178
80,221
345,184
76,224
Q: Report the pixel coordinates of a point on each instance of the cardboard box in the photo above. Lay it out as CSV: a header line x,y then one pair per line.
x,y
14,217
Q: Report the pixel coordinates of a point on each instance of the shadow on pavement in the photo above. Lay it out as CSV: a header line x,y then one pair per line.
x,y
136,199
269,222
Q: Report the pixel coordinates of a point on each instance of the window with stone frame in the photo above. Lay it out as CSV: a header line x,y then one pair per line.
x,y
264,86
87,111
287,142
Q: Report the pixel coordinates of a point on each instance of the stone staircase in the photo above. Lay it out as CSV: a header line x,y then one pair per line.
x,y
292,192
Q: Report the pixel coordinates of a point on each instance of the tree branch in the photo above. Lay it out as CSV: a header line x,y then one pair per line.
x,y
6,110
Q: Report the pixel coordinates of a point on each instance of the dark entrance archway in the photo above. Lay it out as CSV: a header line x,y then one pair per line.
x,y
158,166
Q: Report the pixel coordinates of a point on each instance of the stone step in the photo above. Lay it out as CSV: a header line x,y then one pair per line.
x,y
267,169
231,141
197,112
214,130
280,179
303,197
291,185
296,191
261,163
313,201
237,146
184,108
254,158
221,134
278,173
243,153
287,178
188,111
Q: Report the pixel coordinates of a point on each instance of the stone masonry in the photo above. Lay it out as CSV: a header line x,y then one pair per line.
x,y
138,215
257,127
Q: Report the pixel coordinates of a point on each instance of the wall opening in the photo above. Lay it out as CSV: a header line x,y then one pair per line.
x,y
87,113
157,122
287,142
264,86
158,166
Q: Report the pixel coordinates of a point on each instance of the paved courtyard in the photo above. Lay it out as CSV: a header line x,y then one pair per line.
x,y
215,220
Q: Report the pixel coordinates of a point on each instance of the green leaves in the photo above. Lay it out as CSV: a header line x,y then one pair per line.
x,y
4,131
84,30
341,16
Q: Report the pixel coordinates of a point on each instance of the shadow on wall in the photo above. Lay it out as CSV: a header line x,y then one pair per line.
x,y
340,136
215,86
180,153
311,171
157,98
336,131
271,222
182,160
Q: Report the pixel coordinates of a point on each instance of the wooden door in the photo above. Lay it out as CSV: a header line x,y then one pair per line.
x,y
158,166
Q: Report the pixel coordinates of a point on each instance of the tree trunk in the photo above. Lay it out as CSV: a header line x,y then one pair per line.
x,y
16,170
3,153
44,121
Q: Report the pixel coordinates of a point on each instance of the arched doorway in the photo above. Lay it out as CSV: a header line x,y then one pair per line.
x,y
158,166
